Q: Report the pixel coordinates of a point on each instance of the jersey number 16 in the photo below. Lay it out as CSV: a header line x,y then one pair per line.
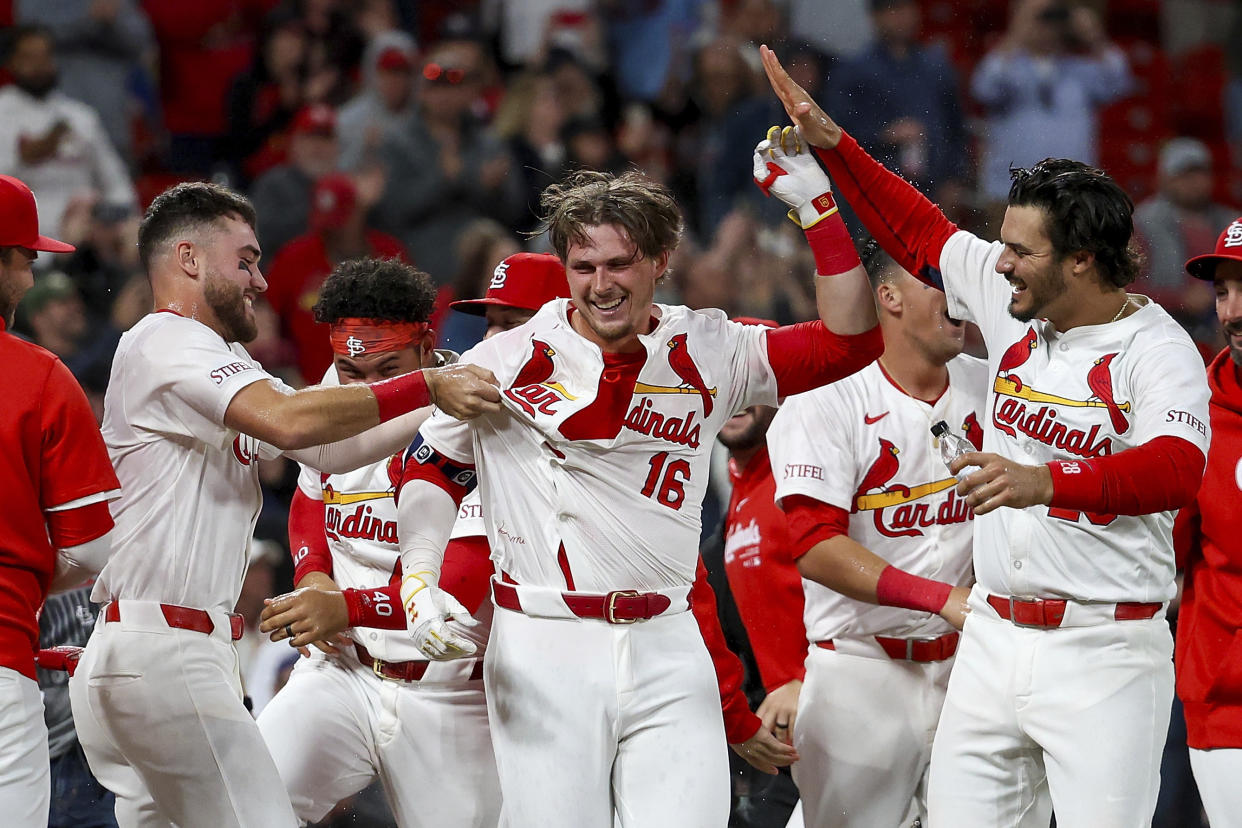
x,y
671,489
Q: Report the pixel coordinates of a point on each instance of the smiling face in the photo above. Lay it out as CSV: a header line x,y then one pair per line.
x,y
370,368
611,286
1228,285
925,320
1031,266
748,428
231,278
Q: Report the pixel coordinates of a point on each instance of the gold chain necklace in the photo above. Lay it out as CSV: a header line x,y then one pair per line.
x,y
1122,310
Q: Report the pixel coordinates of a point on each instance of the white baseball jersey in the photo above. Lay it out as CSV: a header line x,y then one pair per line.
x,y
189,486
865,446
619,484
1088,392
469,518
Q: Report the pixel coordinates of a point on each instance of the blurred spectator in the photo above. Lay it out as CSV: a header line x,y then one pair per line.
x,y
523,27
845,33
264,99
106,238
581,92
1041,89
55,318
282,195
334,47
648,41
338,232
55,144
529,120
385,100
203,45
901,101
1180,220
589,145
482,245
735,115
100,46
646,142
443,168
78,800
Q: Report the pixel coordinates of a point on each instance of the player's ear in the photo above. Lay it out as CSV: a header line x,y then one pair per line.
x,y
888,297
1080,261
427,348
187,257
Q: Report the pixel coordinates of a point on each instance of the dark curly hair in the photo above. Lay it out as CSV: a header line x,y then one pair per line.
x,y
644,208
385,289
1086,210
188,207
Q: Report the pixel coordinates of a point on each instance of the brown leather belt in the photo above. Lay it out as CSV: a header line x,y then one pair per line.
x,y
185,618
1050,612
622,606
912,649
405,670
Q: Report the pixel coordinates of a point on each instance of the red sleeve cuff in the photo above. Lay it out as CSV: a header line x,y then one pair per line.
x,y
812,522
376,607
1160,475
73,527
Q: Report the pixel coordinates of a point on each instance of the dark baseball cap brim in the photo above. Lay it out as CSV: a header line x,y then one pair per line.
x,y
1204,267
478,307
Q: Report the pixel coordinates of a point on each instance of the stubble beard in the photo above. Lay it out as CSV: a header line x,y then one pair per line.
x,y
227,301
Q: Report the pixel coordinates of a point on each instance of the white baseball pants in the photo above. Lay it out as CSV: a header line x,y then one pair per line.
x,y
1072,718
25,778
1218,773
590,718
159,714
336,726
864,734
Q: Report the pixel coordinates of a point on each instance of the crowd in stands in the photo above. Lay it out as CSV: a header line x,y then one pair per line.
x,y
426,130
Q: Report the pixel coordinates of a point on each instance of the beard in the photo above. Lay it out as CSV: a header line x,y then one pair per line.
x,y
1040,294
754,435
228,301
1235,351
37,86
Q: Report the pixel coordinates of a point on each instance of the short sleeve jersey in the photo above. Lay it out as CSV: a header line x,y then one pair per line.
x,y
190,485
51,455
865,446
591,486
1088,392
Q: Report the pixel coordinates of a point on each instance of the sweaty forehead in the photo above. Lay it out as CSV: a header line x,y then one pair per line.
x,y
1025,226
603,242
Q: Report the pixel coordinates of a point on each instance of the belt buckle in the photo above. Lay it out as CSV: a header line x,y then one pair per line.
x,y
377,667
909,649
1037,607
610,606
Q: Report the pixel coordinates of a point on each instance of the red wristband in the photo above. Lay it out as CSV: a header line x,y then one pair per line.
x,y
1075,481
373,608
898,588
832,247
400,395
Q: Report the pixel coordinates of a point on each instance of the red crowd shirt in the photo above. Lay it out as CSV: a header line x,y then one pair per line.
x,y
1208,539
763,574
51,454
294,279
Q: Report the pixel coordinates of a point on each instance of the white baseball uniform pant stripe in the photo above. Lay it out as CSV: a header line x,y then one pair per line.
x,y
335,727
1218,773
864,734
25,780
589,718
160,717
1072,718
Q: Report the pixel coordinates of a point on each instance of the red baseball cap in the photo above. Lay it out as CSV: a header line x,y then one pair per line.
x,y
19,219
333,202
319,119
523,280
395,59
1228,246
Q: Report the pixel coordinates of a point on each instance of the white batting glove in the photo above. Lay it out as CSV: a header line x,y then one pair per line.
x,y
428,610
785,166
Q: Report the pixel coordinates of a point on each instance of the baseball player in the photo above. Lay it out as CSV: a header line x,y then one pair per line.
x,y
592,486
56,527
1207,536
869,500
379,707
156,698
1063,680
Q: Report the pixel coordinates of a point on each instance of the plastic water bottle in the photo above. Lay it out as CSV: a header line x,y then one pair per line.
x,y
952,445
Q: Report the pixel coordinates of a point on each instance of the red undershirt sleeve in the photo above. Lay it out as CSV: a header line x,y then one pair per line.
x,y
1160,475
811,522
905,223
467,572
740,723
307,540
72,527
808,355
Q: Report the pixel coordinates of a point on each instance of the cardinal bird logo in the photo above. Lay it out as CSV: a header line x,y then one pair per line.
x,y
1100,381
681,363
1017,354
882,470
974,431
538,367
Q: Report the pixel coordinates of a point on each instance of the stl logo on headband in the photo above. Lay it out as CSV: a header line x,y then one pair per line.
x,y
499,275
356,346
